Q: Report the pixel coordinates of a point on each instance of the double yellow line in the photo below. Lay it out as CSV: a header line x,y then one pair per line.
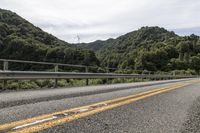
x,y
42,122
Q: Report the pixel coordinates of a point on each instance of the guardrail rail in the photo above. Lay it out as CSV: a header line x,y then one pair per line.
x,y
5,74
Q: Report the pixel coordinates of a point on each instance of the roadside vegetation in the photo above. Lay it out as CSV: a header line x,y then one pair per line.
x,y
38,84
149,50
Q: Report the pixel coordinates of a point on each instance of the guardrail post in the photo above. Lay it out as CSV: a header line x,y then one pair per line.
x,y
87,80
174,75
5,68
56,80
5,65
107,71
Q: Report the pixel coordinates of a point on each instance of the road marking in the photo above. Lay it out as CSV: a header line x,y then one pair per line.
x,y
34,123
83,110
76,113
21,122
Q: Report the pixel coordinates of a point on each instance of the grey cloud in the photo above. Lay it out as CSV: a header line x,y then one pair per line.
x,y
103,19
188,31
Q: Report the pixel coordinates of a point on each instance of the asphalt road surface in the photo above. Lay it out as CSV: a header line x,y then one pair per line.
x,y
158,106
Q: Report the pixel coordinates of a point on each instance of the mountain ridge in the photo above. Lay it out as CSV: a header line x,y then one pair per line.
x,y
19,39
110,42
149,48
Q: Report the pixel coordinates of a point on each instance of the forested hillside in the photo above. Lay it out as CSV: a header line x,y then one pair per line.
x,y
20,39
149,48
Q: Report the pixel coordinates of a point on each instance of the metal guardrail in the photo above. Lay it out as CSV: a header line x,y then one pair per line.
x,y
56,67
11,75
6,61
5,74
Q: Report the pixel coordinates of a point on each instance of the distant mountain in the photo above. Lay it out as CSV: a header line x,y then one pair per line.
x,y
149,48
135,38
97,45
19,39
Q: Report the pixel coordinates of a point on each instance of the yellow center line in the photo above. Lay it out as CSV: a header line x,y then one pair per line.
x,y
108,105
21,122
54,123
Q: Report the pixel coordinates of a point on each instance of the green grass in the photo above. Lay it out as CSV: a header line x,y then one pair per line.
x,y
40,84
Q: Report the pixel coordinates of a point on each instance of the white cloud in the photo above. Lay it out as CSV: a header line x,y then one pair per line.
x,y
102,19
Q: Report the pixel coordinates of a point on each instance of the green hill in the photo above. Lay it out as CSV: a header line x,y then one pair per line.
x,y
133,39
20,39
149,48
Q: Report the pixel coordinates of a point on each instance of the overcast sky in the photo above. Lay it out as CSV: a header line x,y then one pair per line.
x,y
103,19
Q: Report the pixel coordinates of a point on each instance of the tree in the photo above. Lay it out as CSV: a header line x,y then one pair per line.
x,y
176,64
4,30
184,49
195,63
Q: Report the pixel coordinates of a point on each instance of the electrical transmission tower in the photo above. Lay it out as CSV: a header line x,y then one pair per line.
x,y
78,39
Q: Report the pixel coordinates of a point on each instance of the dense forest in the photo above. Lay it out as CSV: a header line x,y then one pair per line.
x,y
20,39
149,48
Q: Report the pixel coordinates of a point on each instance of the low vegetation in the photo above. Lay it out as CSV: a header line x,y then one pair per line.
x,y
38,84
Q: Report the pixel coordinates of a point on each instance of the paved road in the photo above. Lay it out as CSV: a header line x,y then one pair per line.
x,y
172,111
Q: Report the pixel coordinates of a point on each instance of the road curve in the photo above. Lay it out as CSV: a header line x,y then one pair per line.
x,y
9,99
161,106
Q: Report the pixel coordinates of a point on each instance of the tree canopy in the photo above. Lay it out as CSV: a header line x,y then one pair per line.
x,y
20,39
149,48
